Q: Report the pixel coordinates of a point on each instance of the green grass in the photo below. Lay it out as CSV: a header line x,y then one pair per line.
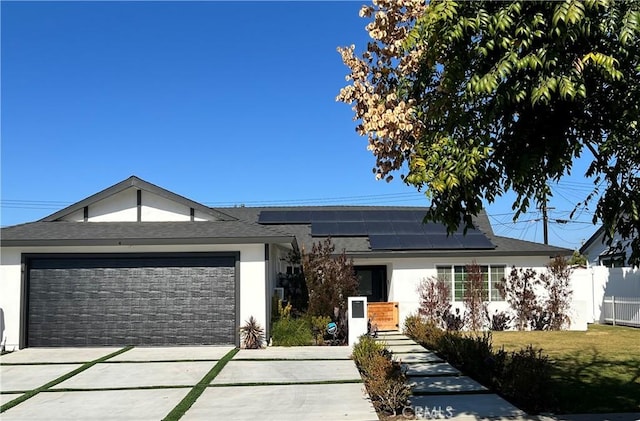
x,y
60,379
596,371
199,388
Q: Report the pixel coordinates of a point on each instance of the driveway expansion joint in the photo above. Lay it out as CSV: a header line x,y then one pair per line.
x,y
197,390
60,379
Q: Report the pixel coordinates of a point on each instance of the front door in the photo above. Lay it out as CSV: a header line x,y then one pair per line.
x,y
373,282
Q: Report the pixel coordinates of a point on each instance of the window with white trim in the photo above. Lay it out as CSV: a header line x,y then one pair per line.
x,y
456,275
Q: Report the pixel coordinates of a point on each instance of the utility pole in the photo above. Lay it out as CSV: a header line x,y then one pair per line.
x,y
545,221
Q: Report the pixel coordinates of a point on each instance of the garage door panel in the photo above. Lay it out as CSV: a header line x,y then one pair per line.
x,y
132,301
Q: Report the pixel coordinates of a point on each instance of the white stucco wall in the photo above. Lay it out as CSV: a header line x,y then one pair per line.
x,y
10,285
252,274
123,207
119,207
156,208
404,276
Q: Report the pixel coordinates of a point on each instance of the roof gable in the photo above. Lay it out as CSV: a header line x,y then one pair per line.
x,y
135,199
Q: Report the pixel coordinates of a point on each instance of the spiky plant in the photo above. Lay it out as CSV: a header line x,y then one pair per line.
x,y
252,334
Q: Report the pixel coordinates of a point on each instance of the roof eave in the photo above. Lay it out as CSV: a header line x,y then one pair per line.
x,y
592,239
147,241
451,253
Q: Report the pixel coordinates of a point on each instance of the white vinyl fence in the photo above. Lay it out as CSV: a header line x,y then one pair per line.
x,y
622,310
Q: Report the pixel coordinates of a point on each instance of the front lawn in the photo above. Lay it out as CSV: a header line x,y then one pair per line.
x,y
593,371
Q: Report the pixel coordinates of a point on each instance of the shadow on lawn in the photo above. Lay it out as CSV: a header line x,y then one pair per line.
x,y
586,381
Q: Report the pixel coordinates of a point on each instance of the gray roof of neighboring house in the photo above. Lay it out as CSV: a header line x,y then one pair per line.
x,y
134,233
359,246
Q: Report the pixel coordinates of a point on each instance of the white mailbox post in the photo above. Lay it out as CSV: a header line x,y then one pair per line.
x,y
357,318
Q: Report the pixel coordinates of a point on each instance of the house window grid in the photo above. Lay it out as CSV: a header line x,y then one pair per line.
x,y
455,275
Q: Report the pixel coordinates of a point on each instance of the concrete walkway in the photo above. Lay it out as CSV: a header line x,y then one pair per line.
x,y
440,390
297,383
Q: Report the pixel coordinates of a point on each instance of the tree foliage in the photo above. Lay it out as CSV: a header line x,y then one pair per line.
x,y
472,99
557,284
330,280
519,291
475,297
435,300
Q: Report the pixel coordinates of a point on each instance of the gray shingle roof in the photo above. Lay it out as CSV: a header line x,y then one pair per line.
x,y
359,246
233,225
116,233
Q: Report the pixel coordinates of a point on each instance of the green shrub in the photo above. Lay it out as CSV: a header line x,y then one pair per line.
x,y
365,350
384,378
426,333
291,332
386,383
499,321
318,327
522,377
472,354
525,379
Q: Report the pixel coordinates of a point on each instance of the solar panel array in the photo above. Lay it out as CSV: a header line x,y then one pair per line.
x,y
386,229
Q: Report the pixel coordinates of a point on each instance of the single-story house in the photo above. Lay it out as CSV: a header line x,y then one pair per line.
x,y
137,264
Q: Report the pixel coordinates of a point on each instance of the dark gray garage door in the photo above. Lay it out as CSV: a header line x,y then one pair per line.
x,y
125,300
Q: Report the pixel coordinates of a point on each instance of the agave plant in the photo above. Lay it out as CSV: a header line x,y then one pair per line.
x,y
252,334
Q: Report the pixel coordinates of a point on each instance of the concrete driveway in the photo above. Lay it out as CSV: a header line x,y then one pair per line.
x,y
298,383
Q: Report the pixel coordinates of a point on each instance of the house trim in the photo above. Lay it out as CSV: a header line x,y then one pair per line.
x,y
140,184
449,253
145,241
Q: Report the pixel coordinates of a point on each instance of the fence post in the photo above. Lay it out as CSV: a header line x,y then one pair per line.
x,y
613,308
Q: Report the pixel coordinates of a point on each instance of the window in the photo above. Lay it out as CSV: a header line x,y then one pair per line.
x,y
613,260
497,275
457,275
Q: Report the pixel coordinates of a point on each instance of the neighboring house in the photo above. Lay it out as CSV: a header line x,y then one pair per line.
x,y
137,264
598,253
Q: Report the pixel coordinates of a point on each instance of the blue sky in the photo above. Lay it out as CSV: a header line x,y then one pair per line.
x,y
223,102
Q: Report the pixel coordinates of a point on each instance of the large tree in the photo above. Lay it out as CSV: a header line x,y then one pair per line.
x,y
471,99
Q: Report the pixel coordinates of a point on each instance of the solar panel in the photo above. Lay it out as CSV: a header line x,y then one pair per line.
x,y
414,242
404,215
338,229
323,216
444,242
475,240
407,227
434,228
419,214
379,227
271,217
386,229
323,229
384,242
376,215
352,228
297,217
349,216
